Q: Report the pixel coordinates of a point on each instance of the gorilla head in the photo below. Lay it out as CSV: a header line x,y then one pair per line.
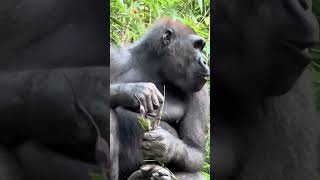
x,y
175,50
261,46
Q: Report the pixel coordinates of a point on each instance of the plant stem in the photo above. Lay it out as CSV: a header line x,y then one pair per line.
x,y
162,107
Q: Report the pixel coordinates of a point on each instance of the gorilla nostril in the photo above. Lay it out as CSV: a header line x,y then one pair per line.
x,y
199,44
204,62
304,4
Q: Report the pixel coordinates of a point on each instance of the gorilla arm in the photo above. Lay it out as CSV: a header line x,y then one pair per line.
x,y
38,104
192,132
130,95
185,153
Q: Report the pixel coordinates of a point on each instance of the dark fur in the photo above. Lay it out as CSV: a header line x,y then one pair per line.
x,y
150,60
52,34
47,48
265,120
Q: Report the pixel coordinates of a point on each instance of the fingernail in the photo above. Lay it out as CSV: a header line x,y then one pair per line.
x,y
142,111
145,168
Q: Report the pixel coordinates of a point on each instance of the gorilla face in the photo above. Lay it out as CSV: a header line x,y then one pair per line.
x,y
261,46
182,61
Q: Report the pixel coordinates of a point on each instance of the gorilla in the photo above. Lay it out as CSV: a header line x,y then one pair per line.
x,y
52,34
265,123
169,55
54,79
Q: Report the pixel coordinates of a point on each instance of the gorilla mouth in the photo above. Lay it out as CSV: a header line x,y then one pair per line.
x,y
204,76
300,48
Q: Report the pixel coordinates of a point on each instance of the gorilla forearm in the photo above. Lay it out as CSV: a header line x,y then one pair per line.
x,y
116,95
192,130
187,158
39,95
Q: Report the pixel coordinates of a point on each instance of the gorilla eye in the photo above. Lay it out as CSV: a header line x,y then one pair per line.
x,y
199,44
304,4
166,37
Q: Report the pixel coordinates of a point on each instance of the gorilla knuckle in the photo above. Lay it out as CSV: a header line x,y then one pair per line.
x,y
146,92
151,85
147,136
146,145
141,97
163,146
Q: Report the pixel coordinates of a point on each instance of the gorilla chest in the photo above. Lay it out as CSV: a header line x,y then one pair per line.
x,y
174,109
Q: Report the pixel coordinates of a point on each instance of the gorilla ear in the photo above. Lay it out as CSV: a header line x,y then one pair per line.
x,y
167,36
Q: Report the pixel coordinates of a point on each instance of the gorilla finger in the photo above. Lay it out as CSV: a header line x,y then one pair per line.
x,y
156,146
156,169
143,101
160,96
148,154
155,101
149,103
164,172
162,177
147,167
152,136
142,110
146,145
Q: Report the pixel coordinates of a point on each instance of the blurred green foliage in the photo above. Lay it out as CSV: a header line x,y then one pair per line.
x,y
129,19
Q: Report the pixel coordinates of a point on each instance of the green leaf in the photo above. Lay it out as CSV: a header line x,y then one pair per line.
x,y
116,21
206,175
95,176
145,123
202,6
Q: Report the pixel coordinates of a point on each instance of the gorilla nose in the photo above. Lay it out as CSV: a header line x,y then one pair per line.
x,y
205,69
304,4
198,42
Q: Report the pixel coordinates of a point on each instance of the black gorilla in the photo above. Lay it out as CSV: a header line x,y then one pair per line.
x,y
265,124
169,54
53,58
52,34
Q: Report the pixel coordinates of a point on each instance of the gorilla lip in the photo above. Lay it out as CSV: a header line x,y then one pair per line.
x,y
204,76
301,48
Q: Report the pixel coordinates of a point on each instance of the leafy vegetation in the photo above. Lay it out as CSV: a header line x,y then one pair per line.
x,y
129,19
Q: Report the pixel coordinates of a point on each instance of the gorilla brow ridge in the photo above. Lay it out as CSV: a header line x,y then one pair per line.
x,y
176,24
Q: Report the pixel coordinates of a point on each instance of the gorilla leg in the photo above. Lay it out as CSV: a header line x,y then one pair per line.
x,y
147,172
9,167
114,149
189,176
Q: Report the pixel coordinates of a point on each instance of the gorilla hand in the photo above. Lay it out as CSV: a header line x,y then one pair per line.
x,y
140,96
151,171
159,145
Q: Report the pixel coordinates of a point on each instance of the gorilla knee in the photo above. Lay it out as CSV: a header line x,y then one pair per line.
x,y
189,176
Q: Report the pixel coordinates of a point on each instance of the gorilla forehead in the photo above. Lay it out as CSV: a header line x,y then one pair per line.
x,y
163,24
175,25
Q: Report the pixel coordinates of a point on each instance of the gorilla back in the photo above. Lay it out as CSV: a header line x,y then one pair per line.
x,y
265,120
